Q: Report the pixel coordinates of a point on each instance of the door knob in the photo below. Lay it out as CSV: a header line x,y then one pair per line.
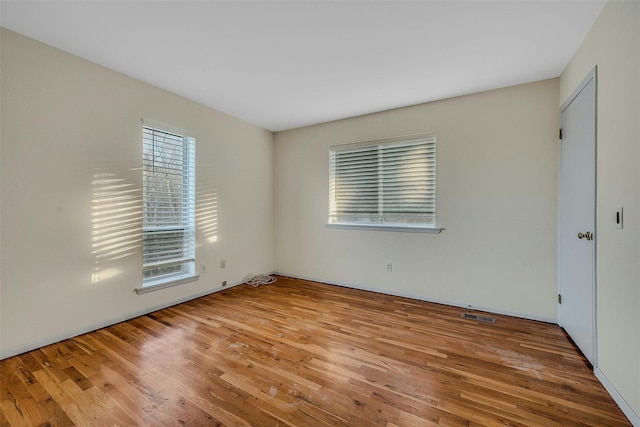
x,y
587,235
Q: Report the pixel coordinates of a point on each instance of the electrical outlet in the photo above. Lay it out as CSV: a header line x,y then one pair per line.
x,y
389,267
203,268
223,263
224,283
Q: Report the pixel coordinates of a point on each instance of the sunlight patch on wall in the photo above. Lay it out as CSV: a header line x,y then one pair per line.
x,y
116,223
207,214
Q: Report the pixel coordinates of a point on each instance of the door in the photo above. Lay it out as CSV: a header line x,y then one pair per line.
x,y
576,231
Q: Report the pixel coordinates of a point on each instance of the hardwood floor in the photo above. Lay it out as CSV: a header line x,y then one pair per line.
x,y
298,353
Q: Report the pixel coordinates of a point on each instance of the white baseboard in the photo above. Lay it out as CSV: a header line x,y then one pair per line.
x,y
626,408
23,348
494,310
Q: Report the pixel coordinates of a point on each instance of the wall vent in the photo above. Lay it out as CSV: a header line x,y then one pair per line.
x,y
478,317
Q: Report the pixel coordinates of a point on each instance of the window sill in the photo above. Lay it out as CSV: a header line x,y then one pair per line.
x,y
400,228
163,284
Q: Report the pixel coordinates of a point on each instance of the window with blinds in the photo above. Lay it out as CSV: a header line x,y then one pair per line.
x,y
389,182
168,198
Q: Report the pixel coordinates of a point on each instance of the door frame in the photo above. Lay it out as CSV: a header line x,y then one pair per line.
x,y
591,75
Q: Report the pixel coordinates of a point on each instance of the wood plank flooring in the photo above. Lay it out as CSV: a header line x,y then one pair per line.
x,y
299,353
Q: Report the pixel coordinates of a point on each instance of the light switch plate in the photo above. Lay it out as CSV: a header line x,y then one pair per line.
x,y
619,221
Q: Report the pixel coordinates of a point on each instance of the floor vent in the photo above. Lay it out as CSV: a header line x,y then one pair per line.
x,y
479,318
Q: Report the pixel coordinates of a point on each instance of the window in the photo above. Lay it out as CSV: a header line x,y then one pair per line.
x,y
168,198
389,183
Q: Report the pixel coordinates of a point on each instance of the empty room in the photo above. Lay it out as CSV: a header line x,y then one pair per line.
x,y
320,213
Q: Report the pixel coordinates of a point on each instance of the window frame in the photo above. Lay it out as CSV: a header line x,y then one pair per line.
x,y
186,244
421,222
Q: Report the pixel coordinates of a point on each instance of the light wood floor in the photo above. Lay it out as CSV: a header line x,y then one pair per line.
x,y
298,353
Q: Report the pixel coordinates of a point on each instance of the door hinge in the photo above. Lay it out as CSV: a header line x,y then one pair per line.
x,y
560,133
559,299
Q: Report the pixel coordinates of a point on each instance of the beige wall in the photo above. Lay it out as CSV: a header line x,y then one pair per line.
x,y
71,180
614,46
497,169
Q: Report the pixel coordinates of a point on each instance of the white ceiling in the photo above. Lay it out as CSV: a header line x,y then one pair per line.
x,y
286,64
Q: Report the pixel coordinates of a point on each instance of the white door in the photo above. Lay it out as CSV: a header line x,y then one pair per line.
x,y
576,231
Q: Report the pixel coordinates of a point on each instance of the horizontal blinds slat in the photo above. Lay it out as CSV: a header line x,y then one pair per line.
x,y
153,221
165,253
166,202
164,145
161,137
158,218
427,207
158,207
169,248
168,208
176,220
391,214
397,209
171,199
164,230
162,170
175,261
343,159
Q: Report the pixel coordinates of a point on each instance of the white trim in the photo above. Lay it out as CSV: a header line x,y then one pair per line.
x,y
387,227
13,351
164,284
617,397
592,74
434,300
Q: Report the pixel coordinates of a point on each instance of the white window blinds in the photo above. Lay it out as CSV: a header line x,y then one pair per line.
x,y
168,224
388,182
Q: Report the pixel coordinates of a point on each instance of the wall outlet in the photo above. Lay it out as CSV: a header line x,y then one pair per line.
x,y
203,268
224,283
389,267
223,263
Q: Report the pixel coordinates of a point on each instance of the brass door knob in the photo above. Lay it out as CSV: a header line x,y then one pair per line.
x,y
586,235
